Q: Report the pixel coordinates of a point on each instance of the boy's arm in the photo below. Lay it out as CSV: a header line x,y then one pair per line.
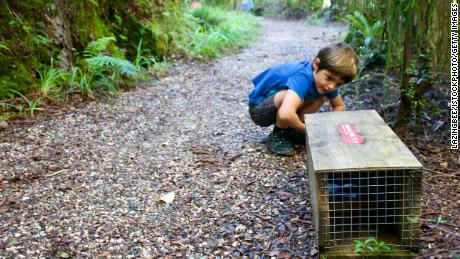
x,y
287,112
337,104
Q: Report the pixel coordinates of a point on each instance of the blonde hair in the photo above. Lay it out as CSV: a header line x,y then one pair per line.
x,y
339,59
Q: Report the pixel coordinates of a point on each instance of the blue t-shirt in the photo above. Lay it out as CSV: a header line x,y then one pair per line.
x,y
297,76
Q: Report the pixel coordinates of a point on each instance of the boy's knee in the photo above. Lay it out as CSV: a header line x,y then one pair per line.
x,y
264,113
261,120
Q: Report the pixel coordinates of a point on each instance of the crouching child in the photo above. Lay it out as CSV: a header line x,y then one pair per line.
x,y
284,93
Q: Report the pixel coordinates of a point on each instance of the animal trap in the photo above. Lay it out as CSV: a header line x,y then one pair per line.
x,y
364,183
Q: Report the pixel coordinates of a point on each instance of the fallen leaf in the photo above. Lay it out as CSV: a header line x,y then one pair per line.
x,y
444,165
285,255
260,237
3,125
105,254
284,196
167,198
64,255
283,240
435,149
429,239
179,241
424,225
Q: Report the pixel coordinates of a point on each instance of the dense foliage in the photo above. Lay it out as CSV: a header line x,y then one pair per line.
x,y
286,8
52,48
408,37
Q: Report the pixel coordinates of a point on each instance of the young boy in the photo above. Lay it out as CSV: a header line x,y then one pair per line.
x,y
284,93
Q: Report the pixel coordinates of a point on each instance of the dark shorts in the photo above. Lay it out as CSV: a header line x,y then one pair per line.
x,y
264,114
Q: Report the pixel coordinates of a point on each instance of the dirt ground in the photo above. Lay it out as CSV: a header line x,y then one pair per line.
x,y
98,181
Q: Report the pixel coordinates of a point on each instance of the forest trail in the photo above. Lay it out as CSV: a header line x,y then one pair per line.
x,y
90,183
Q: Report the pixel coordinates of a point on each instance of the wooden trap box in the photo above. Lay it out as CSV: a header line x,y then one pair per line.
x,y
364,182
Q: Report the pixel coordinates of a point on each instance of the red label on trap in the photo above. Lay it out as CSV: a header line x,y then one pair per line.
x,y
350,134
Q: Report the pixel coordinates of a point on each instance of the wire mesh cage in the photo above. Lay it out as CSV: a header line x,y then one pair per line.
x,y
381,204
370,188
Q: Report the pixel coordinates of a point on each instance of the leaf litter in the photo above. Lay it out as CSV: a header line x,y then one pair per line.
x,y
152,174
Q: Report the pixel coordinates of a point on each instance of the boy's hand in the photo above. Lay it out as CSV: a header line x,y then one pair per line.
x,y
337,104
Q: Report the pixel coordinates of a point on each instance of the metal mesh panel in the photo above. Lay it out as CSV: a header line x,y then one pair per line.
x,y
356,205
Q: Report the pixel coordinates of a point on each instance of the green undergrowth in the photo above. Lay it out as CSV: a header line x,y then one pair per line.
x,y
286,8
111,47
221,31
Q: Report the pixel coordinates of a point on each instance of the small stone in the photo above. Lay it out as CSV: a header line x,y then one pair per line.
x,y
284,196
240,228
247,237
236,254
260,237
212,243
221,242
3,125
11,250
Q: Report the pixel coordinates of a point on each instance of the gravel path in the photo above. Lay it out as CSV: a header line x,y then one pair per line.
x,y
90,184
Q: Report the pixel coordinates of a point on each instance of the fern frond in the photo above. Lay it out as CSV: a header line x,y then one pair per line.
x,y
98,47
94,2
365,27
3,46
118,65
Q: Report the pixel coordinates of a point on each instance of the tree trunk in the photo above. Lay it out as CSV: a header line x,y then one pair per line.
x,y
63,33
405,109
237,4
